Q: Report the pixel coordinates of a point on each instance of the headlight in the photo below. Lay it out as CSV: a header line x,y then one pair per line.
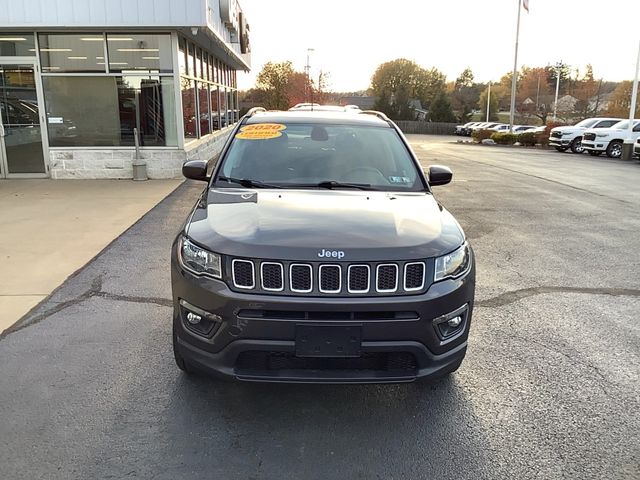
x,y
453,264
198,260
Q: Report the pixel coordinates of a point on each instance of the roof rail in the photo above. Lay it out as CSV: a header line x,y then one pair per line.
x,y
254,110
378,114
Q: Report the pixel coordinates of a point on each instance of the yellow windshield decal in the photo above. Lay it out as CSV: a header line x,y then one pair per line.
x,y
261,131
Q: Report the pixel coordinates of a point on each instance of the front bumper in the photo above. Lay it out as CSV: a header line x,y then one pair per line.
x,y
559,142
255,339
595,145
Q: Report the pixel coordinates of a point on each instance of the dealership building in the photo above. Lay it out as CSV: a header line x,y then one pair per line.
x,y
90,87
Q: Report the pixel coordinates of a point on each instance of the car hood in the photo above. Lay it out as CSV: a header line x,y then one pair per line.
x,y
299,224
570,129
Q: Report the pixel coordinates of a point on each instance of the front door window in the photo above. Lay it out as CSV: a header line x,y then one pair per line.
x,y
20,129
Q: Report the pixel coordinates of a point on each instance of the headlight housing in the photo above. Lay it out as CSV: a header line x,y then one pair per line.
x,y
198,260
453,264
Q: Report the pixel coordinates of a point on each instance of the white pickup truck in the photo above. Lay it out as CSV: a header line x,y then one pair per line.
x,y
609,140
564,138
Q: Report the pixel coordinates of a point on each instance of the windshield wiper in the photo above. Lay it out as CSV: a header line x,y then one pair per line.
x,y
246,182
333,184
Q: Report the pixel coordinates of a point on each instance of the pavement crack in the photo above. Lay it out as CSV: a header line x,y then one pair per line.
x,y
94,291
515,295
25,321
163,302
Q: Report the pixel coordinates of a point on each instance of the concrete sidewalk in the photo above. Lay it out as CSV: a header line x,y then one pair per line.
x,y
49,229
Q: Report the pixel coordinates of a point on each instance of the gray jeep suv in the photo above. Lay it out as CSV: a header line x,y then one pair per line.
x,y
318,253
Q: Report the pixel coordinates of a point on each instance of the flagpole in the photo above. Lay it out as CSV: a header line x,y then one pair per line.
x,y
515,74
627,146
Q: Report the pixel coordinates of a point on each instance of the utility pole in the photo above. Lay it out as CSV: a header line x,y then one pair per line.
x,y
627,146
515,74
555,104
538,92
308,71
488,100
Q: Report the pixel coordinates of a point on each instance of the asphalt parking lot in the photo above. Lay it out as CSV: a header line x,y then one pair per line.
x,y
549,389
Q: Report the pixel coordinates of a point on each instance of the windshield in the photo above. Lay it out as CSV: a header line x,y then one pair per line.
x,y
621,125
589,122
324,156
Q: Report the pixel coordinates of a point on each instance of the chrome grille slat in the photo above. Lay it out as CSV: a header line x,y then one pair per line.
x,y
386,277
359,277
243,273
330,278
414,276
272,276
301,277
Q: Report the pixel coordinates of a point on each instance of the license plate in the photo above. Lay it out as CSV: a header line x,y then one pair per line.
x,y
328,341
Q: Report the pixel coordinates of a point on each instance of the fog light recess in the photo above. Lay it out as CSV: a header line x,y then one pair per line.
x,y
450,325
198,320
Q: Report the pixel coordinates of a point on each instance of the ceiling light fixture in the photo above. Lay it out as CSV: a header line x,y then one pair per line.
x,y
12,39
56,49
138,49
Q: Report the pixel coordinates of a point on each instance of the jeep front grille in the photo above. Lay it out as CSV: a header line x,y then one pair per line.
x,y
330,279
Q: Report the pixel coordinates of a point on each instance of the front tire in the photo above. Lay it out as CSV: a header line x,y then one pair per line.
x,y
595,153
614,149
561,149
576,145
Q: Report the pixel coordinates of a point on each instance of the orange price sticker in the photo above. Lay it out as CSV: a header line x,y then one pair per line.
x,y
261,131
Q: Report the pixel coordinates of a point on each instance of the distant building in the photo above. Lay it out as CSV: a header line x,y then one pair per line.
x,y
364,102
83,82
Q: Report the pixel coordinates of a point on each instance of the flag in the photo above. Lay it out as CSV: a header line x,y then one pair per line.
x,y
525,4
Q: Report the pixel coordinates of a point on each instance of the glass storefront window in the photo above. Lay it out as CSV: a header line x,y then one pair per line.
x,y
198,69
182,56
203,108
215,111
77,53
150,53
189,117
17,45
190,59
103,110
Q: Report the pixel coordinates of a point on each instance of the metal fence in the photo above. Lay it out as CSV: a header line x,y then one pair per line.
x,y
432,128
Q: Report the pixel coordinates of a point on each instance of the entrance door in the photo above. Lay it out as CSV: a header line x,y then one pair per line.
x,y
21,152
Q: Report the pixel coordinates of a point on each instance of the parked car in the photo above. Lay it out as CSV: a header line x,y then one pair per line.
x,y
563,138
609,140
484,126
461,129
291,266
523,128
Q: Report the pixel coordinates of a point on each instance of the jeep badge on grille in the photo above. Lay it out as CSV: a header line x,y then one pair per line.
x,y
331,254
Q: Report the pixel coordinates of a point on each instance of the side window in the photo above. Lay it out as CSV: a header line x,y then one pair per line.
x,y
605,124
637,128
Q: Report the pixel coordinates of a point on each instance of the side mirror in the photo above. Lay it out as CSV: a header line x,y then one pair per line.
x,y
439,175
195,170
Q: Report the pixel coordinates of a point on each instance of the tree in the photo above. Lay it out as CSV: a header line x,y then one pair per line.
x,y
565,76
396,82
440,110
273,80
533,95
620,101
465,95
585,89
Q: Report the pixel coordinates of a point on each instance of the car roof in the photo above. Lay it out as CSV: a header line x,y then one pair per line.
x,y
348,117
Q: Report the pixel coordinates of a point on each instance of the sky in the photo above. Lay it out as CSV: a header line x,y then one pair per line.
x,y
351,38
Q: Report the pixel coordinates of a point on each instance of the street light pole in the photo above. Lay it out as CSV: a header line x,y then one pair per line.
x,y
627,147
555,104
308,70
515,74
488,101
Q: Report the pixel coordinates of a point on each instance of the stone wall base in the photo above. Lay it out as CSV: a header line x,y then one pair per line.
x,y
116,163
